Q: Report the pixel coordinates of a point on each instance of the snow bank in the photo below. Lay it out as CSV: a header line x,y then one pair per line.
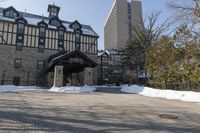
x,y
12,88
106,86
168,94
73,89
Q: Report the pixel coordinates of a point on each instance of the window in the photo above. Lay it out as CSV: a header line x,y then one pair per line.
x,y
19,37
41,40
19,47
42,32
60,48
18,63
11,14
40,64
77,37
20,28
60,34
77,40
54,12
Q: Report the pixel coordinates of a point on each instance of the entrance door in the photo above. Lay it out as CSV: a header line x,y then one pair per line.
x,y
67,81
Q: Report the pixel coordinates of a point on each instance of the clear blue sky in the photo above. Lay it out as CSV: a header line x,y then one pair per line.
x,y
90,12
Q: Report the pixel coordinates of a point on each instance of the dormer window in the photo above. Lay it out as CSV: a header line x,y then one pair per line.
x,y
42,28
10,12
20,28
76,26
21,24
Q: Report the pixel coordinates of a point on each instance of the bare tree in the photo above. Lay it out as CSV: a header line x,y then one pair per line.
x,y
145,33
187,11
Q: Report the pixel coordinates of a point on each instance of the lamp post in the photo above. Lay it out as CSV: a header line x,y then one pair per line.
x,y
2,82
28,76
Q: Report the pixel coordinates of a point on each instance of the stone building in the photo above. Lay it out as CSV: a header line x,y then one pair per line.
x,y
110,69
38,50
118,28
123,16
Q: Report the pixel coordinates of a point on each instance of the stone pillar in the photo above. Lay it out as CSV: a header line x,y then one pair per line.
x,y
88,76
50,79
58,76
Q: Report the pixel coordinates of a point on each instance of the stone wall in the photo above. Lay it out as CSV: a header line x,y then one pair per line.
x,y
29,57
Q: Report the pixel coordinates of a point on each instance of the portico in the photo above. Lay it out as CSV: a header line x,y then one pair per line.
x,y
71,68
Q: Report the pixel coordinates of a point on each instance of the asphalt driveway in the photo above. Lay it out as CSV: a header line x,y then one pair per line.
x,y
100,112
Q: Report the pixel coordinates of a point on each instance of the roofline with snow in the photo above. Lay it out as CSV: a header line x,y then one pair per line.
x,y
30,15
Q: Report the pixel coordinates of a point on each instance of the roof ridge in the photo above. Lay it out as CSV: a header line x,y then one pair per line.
x,y
35,16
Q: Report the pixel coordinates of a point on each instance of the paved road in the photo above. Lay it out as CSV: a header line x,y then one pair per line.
x,y
43,112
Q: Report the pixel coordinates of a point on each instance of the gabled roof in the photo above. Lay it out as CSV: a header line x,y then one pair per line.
x,y
42,23
33,19
75,25
55,18
104,52
21,18
10,8
66,55
62,26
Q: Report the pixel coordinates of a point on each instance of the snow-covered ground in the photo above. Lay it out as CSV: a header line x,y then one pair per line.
x,y
12,88
73,89
188,96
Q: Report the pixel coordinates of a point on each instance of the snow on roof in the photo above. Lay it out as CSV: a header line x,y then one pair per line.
x,y
34,19
103,52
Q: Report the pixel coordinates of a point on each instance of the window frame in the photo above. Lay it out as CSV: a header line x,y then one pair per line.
x,y
61,36
40,66
20,30
19,46
18,65
42,33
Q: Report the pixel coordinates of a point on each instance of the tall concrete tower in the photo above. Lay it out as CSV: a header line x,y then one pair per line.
x,y
118,26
